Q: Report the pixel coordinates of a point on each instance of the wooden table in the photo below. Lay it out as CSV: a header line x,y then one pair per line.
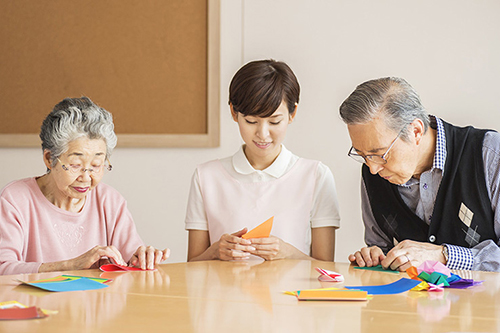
x,y
220,296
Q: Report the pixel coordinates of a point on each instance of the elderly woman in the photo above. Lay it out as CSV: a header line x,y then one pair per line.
x,y
67,219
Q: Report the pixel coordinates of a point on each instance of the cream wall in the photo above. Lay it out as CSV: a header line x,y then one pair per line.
x,y
448,50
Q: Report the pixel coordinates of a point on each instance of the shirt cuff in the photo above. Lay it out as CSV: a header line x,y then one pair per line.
x,y
459,257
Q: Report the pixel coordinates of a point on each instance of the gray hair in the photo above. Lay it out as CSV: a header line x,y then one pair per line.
x,y
73,118
391,95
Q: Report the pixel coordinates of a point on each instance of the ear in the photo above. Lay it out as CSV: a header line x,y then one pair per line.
x,y
417,130
234,114
47,158
291,116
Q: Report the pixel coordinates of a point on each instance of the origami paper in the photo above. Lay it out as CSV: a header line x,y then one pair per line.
x,y
397,287
263,230
329,276
422,286
434,287
332,295
464,283
16,313
377,268
413,273
430,266
294,293
16,304
120,268
81,283
438,276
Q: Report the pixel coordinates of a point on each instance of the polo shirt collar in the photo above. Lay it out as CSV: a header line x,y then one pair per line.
x,y
276,170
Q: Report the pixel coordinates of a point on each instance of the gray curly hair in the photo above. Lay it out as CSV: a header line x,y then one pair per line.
x,y
73,118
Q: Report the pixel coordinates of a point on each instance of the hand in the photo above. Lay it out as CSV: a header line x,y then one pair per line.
x,y
367,256
148,257
410,253
270,248
233,247
97,256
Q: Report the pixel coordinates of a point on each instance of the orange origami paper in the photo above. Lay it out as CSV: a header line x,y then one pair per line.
x,y
263,230
413,273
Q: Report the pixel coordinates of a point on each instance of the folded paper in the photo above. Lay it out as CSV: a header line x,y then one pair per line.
x,y
16,313
430,267
120,268
263,230
437,276
329,276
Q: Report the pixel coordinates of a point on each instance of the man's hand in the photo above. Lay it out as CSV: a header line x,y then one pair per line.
x,y
410,253
367,256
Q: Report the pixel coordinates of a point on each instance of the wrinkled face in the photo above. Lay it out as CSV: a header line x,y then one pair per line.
x,y
263,136
375,137
70,179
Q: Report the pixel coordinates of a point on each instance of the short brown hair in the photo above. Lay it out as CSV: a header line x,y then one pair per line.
x,y
259,87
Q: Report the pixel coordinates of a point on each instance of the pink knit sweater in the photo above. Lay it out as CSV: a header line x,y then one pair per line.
x,y
34,231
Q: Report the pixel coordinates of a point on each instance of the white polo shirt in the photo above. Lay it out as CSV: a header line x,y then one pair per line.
x,y
236,171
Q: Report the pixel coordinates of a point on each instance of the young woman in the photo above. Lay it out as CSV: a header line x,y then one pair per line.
x,y
263,179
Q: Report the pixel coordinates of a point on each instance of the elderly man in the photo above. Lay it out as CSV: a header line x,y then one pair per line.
x,y
430,190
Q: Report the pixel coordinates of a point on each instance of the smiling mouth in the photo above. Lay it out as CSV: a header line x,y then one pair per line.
x,y
81,189
262,144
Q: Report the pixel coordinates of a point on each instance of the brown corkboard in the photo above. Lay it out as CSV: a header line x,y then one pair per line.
x,y
152,63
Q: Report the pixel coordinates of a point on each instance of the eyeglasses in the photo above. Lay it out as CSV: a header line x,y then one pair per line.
x,y
76,169
377,159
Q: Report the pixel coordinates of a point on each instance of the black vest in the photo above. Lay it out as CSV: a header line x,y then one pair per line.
x,y
463,182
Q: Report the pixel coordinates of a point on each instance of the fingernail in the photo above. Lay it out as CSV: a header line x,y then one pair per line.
x,y
251,248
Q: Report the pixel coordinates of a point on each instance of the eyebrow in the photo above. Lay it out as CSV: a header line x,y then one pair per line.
x,y
81,154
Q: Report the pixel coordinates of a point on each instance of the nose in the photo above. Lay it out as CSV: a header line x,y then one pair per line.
x,y
85,175
374,167
262,131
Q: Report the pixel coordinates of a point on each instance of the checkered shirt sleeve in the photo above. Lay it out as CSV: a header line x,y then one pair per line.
x,y
459,257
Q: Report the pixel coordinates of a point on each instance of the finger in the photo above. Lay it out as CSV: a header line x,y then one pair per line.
x,y
359,259
239,254
235,239
264,240
111,252
398,262
166,254
352,258
158,257
240,232
391,260
150,257
141,257
375,254
367,256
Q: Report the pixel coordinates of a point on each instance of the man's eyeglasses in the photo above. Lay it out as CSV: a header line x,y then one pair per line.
x,y
76,169
377,159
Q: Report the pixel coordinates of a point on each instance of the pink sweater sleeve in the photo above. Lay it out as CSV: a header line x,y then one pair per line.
x,y
12,245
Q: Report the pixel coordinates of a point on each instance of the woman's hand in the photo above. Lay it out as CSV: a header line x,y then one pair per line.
x,y
233,247
367,256
90,259
274,248
147,257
